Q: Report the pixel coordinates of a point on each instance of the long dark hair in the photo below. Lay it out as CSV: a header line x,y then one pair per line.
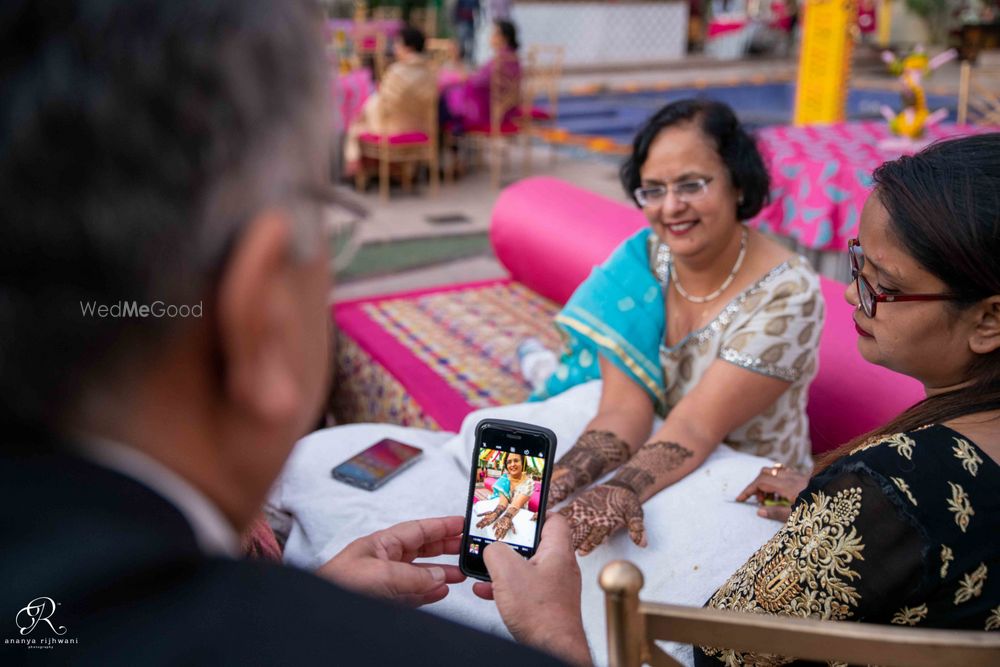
x,y
944,208
509,32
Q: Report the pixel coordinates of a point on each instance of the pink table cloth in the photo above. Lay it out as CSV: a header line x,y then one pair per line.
x,y
821,176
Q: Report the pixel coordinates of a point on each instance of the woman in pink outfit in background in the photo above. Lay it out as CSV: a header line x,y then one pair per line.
x,y
466,105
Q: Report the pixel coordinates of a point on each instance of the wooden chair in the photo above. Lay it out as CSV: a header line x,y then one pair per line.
x,y
634,626
541,79
407,149
505,101
979,100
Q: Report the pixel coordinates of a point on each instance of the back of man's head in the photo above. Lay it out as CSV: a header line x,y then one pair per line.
x,y
412,38
137,139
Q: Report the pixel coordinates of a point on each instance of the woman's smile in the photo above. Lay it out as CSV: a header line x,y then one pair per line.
x,y
681,227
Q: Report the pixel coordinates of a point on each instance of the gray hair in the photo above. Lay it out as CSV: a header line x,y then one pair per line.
x,y
137,140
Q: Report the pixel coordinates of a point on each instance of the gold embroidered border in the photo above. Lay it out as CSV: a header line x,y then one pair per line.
x,y
626,359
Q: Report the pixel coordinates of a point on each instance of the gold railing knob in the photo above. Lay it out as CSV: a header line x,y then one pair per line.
x,y
622,577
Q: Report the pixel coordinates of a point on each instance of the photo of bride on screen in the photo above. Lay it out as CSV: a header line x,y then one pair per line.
x,y
507,496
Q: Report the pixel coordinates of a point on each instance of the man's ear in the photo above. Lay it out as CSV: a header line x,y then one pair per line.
x,y
255,305
986,336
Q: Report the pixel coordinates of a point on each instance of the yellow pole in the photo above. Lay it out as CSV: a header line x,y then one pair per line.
x,y
825,61
884,22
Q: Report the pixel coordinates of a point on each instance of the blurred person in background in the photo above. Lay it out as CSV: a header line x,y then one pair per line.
x,y
466,104
163,309
392,109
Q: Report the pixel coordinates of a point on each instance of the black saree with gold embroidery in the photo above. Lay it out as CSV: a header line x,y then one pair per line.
x,y
905,530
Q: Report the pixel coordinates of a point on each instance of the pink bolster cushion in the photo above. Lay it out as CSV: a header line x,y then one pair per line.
x,y
549,234
402,138
851,396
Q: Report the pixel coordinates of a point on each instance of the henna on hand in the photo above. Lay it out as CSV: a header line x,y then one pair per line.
x,y
506,523
491,516
594,454
602,511
654,461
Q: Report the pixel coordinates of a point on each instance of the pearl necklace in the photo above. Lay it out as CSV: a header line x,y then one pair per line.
x,y
725,283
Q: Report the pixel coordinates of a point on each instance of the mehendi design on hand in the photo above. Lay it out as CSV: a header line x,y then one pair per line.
x,y
595,453
652,461
490,517
600,512
506,523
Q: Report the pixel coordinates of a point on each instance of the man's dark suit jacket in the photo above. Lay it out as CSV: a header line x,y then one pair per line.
x,y
131,587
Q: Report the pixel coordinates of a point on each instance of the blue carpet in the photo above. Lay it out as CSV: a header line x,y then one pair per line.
x,y
618,115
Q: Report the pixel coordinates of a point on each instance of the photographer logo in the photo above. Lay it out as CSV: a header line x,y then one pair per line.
x,y
37,614
36,611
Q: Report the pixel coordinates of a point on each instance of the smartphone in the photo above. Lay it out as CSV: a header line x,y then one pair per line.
x,y
378,464
509,459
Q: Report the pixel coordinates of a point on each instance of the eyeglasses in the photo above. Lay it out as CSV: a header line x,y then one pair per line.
x,y
685,191
867,295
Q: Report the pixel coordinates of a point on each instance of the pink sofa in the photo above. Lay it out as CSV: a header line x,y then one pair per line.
x,y
428,358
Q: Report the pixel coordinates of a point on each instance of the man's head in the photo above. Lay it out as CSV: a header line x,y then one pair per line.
x,y
411,40
164,154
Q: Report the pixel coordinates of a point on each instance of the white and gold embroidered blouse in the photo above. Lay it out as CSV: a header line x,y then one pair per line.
x,y
771,328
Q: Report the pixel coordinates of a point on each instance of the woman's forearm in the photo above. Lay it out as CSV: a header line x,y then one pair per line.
x,y
624,425
666,458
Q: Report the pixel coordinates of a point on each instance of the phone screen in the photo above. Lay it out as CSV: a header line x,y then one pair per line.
x,y
377,464
510,471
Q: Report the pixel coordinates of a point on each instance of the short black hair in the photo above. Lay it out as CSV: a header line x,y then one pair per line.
x,y
509,32
137,137
734,144
412,38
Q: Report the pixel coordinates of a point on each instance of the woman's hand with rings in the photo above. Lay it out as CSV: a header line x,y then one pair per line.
x,y
775,481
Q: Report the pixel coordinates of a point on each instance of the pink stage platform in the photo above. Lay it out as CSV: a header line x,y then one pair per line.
x,y
429,358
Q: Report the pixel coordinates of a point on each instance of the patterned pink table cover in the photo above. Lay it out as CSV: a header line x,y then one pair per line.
x,y
821,176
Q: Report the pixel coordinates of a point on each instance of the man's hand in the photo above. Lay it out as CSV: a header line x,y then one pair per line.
x,y
776,482
539,599
381,564
602,511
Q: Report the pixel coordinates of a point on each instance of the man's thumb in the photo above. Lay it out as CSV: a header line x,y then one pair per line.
x,y
410,579
500,559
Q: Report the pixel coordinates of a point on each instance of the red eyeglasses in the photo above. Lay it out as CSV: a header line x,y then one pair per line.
x,y
867,295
